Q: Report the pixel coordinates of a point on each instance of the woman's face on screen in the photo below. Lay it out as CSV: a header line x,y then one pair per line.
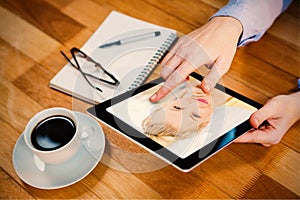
x,y
185,114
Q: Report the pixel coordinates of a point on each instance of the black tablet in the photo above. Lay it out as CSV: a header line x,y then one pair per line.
x,y
186,127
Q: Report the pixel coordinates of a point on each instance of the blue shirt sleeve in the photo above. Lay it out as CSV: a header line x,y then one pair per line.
x,y
256,16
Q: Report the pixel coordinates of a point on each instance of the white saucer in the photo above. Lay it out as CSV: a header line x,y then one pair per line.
x,y
67,173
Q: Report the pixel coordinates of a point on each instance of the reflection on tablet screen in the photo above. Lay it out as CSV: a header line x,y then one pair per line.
x,y
186,120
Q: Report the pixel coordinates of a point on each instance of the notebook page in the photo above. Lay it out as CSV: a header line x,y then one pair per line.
x,y
126,62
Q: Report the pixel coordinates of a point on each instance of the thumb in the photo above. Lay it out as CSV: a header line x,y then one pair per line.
x,y
217,71
261,115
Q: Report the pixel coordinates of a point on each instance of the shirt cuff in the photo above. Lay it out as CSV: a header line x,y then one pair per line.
x,y
256,16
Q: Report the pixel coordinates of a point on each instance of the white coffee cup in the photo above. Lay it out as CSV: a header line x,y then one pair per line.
x,y
60,154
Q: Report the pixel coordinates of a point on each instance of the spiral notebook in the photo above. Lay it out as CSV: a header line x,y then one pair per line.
x,y
126,47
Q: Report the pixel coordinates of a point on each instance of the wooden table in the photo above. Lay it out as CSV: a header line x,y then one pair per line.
x,y
31,35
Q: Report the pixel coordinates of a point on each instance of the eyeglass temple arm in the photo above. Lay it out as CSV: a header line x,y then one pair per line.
x,y
78,68
87,80
116,82
66,57
82,54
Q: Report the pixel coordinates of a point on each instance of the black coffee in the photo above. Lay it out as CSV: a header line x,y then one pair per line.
x,y
53,133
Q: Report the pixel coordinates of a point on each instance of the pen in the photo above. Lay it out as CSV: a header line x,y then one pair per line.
x,y
131,39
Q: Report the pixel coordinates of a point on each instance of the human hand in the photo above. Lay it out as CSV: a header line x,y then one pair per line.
x,y
281,112
213,45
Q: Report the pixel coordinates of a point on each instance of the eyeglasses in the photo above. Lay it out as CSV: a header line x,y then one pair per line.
x,y
77,53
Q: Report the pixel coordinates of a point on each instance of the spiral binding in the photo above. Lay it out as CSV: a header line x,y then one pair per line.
x,y
153,61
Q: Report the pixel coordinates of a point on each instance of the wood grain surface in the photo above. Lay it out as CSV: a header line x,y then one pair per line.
x,y
32,32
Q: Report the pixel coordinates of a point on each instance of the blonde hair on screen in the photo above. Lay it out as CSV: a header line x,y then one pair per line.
x,y
165,129
158,129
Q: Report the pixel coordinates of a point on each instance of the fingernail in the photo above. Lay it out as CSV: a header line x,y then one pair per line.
x,y
205,88
153,97
255,122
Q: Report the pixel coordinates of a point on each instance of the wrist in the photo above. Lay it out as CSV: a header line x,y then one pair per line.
x,y
295,97
232,25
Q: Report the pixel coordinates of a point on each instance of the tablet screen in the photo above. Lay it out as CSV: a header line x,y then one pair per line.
x,y
186,120
184,128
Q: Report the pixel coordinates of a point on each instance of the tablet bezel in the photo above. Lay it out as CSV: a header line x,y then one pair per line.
x,y
183,164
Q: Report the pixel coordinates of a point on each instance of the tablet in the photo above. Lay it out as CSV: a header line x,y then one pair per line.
x,y
186,127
